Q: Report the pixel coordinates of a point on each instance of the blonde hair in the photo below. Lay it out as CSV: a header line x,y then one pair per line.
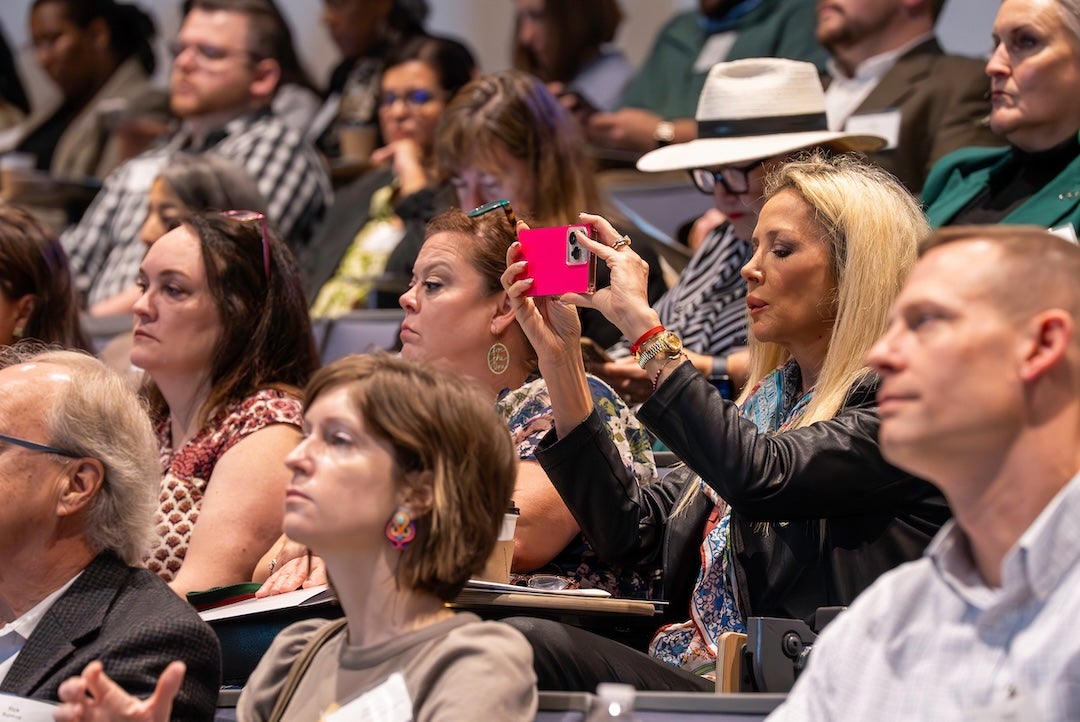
x,y
438,424
872,226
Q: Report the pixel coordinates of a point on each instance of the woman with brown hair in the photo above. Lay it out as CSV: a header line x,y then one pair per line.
x,y
504,135
222,331
37,299
567,45
400,484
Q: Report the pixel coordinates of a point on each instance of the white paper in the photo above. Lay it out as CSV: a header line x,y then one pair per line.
x,y
14,708
483,586
288,600
886,124
389,702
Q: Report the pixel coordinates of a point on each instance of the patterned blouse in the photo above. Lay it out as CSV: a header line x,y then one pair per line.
x,y
528,413
186,472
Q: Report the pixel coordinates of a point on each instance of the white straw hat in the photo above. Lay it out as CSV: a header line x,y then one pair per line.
x,y
756,108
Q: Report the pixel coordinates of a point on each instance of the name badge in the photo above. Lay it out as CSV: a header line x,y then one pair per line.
x,y
714,51
389,702
886,124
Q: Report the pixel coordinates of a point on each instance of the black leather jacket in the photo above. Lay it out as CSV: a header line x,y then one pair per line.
x,y
838,515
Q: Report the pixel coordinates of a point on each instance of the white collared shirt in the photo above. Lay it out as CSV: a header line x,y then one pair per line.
x,y
844,95
26,623
931,640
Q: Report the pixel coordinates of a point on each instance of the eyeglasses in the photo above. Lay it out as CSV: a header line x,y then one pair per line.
x,y
734,178
414,99
245,216
208,54
493,205
34,446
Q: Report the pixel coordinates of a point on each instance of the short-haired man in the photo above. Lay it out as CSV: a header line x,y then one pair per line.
x,y
888,75
224,75
79,476
980,394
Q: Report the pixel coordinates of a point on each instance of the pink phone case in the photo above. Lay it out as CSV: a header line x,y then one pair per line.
x,y
557,262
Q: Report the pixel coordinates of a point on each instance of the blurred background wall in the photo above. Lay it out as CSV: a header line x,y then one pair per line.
x,y
486,24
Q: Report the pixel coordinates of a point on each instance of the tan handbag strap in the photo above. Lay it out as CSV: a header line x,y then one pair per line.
x,y
300,666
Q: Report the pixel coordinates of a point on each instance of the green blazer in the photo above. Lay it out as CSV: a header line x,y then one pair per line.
x,y
962,175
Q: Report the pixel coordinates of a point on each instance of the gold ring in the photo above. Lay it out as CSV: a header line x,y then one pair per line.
x,y
624,241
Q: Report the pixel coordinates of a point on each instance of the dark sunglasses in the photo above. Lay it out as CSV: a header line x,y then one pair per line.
x,y
34,446
246,216
734,178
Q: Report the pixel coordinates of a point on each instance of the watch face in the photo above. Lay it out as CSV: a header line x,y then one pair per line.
x,y
672,341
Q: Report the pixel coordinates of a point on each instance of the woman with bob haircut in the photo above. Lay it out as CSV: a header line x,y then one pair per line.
x,y
37,297
790,505
222,331
400,484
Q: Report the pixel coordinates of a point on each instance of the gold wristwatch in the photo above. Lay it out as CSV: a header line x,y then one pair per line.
x,y
665,343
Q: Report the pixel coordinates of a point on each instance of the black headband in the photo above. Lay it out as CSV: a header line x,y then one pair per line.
x,y
768,125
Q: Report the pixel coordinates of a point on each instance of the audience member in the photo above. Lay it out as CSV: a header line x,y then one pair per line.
x,y
364,31
457,317
99,54
505,136
657,106
14,104
794,507
297,100
890,76
376,226
1034,78
980,394
223,78
223,333
567,44
37,298
79,483
401,484
189,183
744,135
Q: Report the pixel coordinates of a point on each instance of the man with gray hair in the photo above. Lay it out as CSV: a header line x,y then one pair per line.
x,y
79,475
980,394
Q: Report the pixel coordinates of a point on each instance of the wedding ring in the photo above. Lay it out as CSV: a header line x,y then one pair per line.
x,y
272,565
624,241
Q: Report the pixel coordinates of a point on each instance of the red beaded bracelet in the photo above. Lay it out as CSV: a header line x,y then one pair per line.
x,y
635,347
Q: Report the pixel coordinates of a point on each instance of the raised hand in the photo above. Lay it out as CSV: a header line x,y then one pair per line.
x,y
94,697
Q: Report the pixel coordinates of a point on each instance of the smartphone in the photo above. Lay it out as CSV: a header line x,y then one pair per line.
x,y
558,263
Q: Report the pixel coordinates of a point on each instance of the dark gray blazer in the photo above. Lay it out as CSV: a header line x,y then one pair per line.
x,y
135,624
943,102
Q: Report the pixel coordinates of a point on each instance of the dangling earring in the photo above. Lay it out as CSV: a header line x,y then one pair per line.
x,y
400,530
498,358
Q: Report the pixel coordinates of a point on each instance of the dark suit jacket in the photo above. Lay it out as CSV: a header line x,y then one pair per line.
x,y
943,102
135,624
